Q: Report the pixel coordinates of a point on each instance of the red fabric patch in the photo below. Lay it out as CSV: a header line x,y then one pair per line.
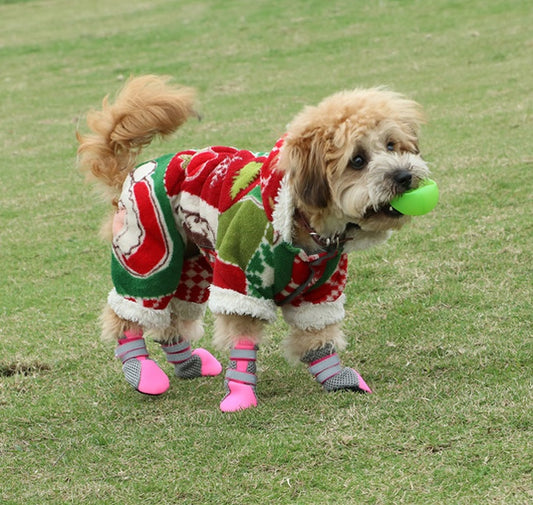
x,y
228,276
154,248
196,277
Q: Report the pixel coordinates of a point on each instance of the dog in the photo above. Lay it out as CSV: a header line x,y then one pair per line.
x,y
244,233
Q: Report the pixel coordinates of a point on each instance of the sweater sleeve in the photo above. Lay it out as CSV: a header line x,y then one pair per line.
x,y
321,306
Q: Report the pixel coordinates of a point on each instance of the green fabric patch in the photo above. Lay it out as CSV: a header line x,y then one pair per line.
x,y
284,255
260,272
244,177
240,231
163,282
186,159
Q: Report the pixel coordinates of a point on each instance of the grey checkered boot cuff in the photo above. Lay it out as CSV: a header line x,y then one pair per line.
x,y
186,364
248,376
325,366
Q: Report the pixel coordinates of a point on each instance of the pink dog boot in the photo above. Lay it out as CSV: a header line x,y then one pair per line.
x,y
191,364
240,378
324,364
141,372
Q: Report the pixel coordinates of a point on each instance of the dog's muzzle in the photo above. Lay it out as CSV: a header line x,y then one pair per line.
x,y
403,179
386,209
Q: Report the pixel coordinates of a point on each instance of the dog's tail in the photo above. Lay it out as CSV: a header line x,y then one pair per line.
x,y
146,107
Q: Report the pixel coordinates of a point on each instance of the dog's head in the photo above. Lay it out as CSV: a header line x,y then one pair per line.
x,y
350,155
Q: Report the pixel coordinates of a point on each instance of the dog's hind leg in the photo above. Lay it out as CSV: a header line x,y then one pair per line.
x,y
141,372
147,265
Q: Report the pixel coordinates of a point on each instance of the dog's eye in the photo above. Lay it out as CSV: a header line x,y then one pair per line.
x,y
390,146
358,162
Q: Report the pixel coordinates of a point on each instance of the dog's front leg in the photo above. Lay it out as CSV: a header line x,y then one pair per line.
x,y
317,348
242,335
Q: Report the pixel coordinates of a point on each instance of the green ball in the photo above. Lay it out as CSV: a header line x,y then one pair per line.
x,y
419,201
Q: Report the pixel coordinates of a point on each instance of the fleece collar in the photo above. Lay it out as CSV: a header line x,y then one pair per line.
x,y
277,200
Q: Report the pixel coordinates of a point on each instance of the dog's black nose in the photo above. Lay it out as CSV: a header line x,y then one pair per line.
x,y
403,178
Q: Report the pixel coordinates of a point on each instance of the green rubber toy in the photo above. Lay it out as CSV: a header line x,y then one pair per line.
x,y
419,201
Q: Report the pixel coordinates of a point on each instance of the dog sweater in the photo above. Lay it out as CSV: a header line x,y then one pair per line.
x,y
236,207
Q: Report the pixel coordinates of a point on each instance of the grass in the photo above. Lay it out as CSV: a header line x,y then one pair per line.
x,y
439,320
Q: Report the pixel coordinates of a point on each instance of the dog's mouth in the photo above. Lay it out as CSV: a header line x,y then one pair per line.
x,y
385,210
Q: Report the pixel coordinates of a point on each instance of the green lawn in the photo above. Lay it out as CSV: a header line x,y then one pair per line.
x,y
439,319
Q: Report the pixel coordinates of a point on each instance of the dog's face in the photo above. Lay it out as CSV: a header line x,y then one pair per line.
x,y
350,155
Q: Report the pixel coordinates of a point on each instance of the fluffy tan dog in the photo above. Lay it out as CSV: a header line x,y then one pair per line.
x,y
243,232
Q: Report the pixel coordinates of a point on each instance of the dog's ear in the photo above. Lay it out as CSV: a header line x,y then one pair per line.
x,y
306,164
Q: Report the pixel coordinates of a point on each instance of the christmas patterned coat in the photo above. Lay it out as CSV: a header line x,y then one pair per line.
x,y
236,207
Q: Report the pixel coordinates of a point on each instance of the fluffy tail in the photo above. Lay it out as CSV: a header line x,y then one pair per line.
x,y
146,107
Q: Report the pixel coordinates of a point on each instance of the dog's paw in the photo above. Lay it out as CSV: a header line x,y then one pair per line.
x,y
210,365
240,397
347,379
145,376
190,364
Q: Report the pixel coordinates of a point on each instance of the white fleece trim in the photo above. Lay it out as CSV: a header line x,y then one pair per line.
x,y
132,311
311,316
227,301
187,310
283,211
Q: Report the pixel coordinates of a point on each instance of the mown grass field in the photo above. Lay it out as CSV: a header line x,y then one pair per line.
x,y
439,319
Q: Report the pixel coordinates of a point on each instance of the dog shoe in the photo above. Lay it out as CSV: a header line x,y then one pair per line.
x,y
190,364
239,396
324,364
240,378
142,373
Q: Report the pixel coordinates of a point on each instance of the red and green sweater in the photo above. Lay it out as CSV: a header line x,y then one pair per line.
x,y
236,207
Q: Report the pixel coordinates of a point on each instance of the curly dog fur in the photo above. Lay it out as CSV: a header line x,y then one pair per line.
x,y
343,160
